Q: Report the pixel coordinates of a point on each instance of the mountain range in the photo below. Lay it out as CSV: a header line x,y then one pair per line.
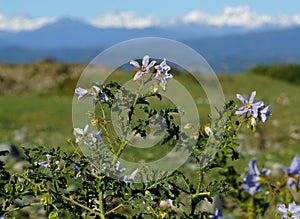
x,y
226,48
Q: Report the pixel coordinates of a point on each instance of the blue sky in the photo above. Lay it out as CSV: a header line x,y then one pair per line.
x,y
16,15
163,9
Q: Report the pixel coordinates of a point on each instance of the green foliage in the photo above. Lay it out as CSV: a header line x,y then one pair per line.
x,y
67,184
289,72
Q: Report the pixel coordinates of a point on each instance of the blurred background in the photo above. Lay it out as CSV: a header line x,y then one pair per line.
x,y
45,46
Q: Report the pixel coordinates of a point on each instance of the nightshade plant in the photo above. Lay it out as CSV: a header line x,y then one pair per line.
x,y
254,180
293,174
71,185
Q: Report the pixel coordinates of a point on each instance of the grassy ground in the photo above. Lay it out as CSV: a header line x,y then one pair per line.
x,y
44,119
36,108
45,115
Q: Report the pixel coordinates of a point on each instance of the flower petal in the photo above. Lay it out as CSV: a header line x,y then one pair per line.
x,y
265,172
133,174
78,131
295,166
254,112
241,98
103,97
253,167
48,157
264,118
294,209
42,163
258,104
134,63
80,90
241,110
151,64
96,88
282,209
145,61
86,129
138,75
252,97
266,109
161,65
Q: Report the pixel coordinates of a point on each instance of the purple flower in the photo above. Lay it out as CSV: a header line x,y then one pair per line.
x,y
78,173
218,214
45,164
82,93
293,174
255,179
81,134
163,67
249,106
95,92
144,69
96,137
119,169
94,169
131,178
264,114
99,95
293,211
162,76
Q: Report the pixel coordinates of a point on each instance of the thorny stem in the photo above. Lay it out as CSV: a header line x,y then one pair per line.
x,y
84,207
105,129
101,205
117,207
114,209
253,213
24,206
200,182
107,136
121,149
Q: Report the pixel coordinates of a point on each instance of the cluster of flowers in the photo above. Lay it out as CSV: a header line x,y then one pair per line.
x,y
78,173
256,179
83,135
162,70
120,170
162,76
46,163
257,110
95,92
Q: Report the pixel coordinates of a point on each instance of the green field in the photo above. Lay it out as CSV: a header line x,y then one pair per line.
x,y
45,115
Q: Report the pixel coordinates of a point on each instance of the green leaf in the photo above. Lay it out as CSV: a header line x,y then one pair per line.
x,y
53,214
19,187
8,188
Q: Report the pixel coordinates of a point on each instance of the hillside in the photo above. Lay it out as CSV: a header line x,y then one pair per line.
x,y
227,49
38,97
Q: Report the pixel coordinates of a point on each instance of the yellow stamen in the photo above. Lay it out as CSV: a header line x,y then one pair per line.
x,y
161,74
95,122
248,105
143,69
293,177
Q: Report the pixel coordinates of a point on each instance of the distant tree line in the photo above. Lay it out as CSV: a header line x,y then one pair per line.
x,y
286,72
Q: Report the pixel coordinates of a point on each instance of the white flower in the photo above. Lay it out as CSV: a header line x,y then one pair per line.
x,y
208,130
144,69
